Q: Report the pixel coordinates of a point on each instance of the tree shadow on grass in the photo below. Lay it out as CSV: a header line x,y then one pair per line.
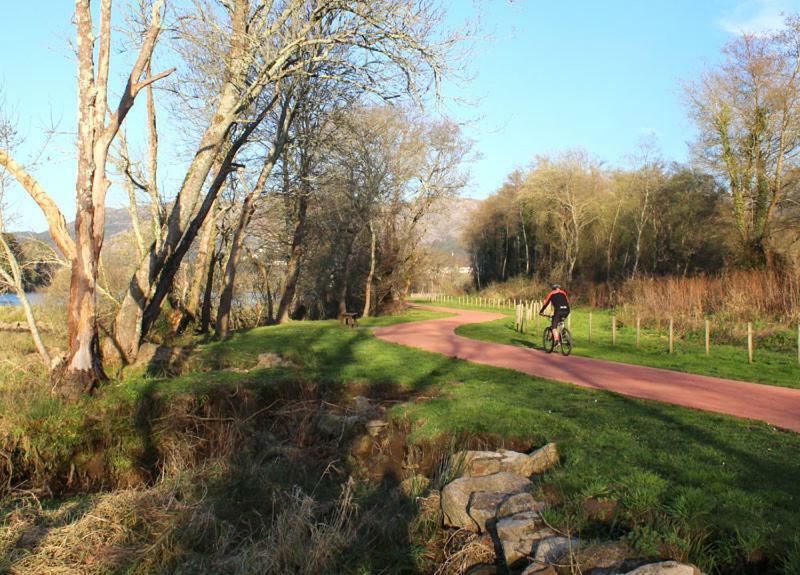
x,y
249,443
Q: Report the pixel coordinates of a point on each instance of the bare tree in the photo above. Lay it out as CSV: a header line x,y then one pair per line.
x,y
266,43
565,192
282,125
97,129
646,179
748,114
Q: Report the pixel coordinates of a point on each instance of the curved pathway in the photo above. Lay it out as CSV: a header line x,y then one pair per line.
x,y
779,406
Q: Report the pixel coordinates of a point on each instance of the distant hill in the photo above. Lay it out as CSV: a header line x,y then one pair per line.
x,y
118,220
445,227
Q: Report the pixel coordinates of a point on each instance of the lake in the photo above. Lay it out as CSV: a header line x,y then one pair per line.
x,y
11,300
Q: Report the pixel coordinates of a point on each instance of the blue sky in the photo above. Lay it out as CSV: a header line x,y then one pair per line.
x,y
600,75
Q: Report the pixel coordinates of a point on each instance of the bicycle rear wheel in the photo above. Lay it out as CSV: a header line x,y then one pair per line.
x,y
548,343
566,342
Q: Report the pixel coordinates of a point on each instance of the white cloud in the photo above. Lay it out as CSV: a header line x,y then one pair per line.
x,y
758,16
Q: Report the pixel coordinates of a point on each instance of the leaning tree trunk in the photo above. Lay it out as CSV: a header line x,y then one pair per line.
x,y
371,274
229,275
151,281
295,256
207,239
249,206
205,310
13,277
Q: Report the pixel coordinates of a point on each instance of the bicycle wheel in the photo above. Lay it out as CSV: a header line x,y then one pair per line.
x,y
566,342
548,343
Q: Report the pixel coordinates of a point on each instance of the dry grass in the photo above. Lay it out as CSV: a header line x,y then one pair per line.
x,y
518,288
164,528
463,550
91,535
735,296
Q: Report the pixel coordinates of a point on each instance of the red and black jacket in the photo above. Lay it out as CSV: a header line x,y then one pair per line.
x,y
557,297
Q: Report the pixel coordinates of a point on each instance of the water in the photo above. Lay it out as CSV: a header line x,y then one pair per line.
x,y
11,299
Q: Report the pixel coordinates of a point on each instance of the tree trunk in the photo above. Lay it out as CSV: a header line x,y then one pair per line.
x,y
295,257
205,310
345,285
13,277
152,280
270,297
610,243
640,229
249,206
525,241
84,368
371,274
207,239
229,275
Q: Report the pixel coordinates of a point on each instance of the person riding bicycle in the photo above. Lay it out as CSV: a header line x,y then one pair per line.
x,y
557,297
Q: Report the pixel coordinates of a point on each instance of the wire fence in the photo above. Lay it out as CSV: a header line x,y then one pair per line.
x,y
527,318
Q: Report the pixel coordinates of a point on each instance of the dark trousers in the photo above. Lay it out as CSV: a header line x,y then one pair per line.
x,y
558,317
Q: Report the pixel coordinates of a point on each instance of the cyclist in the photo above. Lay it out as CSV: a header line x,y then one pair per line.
x,y
557,297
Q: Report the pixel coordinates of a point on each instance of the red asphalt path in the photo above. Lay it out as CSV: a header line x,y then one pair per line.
x,y
779,406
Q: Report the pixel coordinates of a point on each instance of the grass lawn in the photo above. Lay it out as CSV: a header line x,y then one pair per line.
x,y
718,491
728,361
721,489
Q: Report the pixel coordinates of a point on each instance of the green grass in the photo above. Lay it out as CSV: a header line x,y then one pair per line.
x,y
719,491
716,486
728,361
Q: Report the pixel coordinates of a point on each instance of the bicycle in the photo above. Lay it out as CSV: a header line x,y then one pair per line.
x,y
564,338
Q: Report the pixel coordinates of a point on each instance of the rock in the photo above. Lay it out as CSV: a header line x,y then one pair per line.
x,y
335,425
364,407
456,495
480,463
376,426
555,549
517,503
482,507
607,555
542,459
414,486
485,507
666,568
271,359
520,534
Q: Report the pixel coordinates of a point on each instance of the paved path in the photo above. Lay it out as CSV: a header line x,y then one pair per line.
x,y
779,406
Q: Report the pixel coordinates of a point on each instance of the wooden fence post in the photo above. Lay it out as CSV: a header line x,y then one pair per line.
x,y
638,331
671,335
613,330
590,327
749,342
708,338
530,315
